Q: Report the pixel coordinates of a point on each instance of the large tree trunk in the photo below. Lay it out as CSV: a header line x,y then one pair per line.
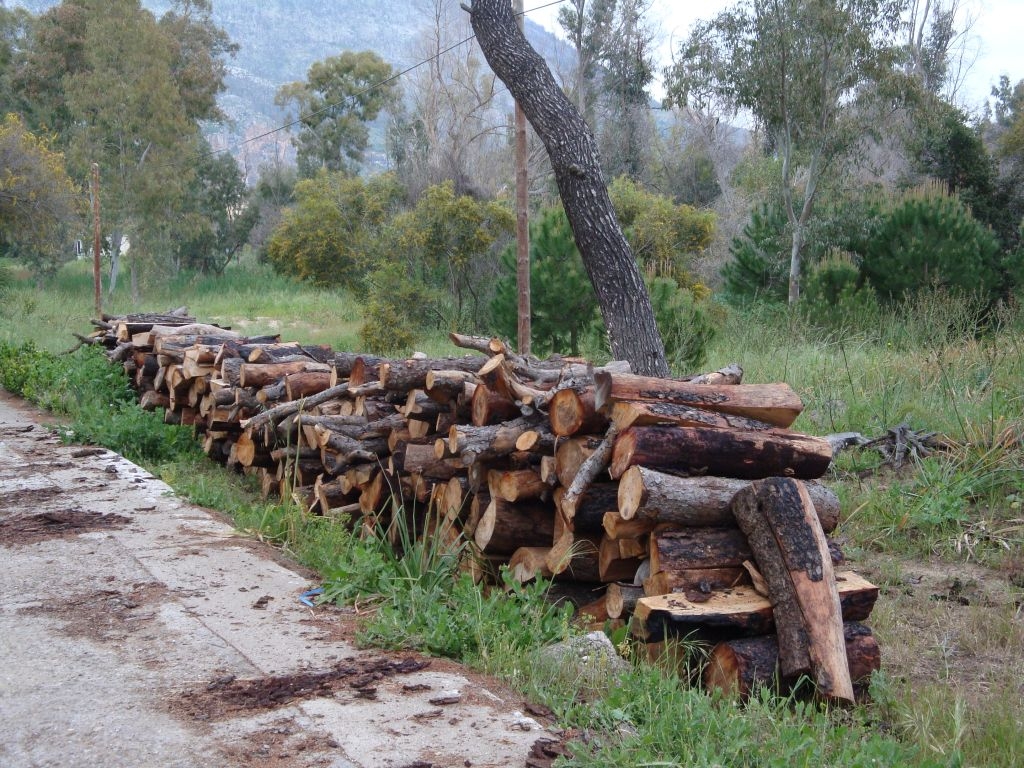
x,y
620,289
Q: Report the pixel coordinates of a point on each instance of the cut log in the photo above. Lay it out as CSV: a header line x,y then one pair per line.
x,y
529,563
619,559
729,453
592,467
404,375
486,443
776,404
630,414
621,598
571,411
739,667
646,494
516,485
791,552
504,527
258,375
597,500
736,612
490,407
306,383
571,454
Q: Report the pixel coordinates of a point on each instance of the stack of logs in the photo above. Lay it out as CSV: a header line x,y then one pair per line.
x,y
686,504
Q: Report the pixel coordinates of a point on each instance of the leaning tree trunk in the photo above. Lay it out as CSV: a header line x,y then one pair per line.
x,y
620,289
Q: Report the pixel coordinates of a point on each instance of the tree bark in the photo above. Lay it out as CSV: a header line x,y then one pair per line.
x,y
621,293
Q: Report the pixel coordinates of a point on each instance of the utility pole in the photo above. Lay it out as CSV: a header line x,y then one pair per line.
x,y
523,330
96,238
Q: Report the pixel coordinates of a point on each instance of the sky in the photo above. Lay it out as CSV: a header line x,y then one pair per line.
x,y
994,43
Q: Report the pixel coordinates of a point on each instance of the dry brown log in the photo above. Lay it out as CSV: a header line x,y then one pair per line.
x,y
516,485
404,375
617,528
332,493
345,362
592,467
729,453
776,404
688,548
731,374
490,407
739,667
306,383
152,400
529,563
547,471
571,411
791,552
736,612
629,414
286,409
571,454
447,386
621,598
259,375
646,494
594,503
578,562
504,526
485,443
695,583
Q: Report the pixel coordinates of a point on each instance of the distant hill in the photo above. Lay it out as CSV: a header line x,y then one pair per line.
x,y
280,39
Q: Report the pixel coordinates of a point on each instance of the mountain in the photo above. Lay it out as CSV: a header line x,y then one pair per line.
x,y
279,39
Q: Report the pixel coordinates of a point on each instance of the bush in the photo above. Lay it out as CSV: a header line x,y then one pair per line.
x,y
686,327
930,240
835,296
397,308
760,266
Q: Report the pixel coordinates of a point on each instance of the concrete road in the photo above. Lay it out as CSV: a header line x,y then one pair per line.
x,y
138,630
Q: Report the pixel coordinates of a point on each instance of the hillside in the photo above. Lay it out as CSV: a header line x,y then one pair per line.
x,y
279,39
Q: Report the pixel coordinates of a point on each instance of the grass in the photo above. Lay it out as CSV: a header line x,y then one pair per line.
x,y
943,536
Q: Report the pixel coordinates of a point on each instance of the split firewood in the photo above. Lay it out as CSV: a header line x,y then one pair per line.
x,y
504,526
516,485
790,549
621,598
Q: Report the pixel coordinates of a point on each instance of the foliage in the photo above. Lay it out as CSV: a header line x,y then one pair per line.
x,y
397,308
37,198
94,394
215,216
758,269
665,237
685,323
450,244
836,296
801,68
563,307
339,97
931,240
333,232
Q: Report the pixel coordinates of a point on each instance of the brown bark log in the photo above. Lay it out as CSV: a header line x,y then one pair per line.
x,y
570,456
504,527
729,453
739,667
490,407
306,383
529,563
257,375
646,494
791,551
630,414
571,146
773,403
597,500
516,485
618,559
592,467
572,411
404,375
486,443
695,583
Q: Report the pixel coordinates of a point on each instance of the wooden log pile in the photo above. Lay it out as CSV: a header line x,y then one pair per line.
x,y
686,506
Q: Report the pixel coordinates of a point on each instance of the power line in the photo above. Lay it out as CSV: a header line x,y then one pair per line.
x,y
328,107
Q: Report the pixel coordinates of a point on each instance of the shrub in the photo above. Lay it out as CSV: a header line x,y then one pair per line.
x,y
760,265
931,240
835,296
686,327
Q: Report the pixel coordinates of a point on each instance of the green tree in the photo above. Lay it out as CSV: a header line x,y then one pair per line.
x,y
803,68
334,231
216,215
928,239
37,199
563,307
758,269
338,98
15,27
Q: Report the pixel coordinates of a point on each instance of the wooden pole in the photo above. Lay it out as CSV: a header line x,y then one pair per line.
x,y
96,238
523,329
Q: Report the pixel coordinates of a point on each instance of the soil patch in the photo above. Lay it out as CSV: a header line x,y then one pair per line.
x,y
281,744
56,524
227,696
105,615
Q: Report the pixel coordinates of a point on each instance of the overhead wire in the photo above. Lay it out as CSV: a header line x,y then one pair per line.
x,y
351,97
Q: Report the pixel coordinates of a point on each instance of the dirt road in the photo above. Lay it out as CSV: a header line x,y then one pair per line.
x,y
137,630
